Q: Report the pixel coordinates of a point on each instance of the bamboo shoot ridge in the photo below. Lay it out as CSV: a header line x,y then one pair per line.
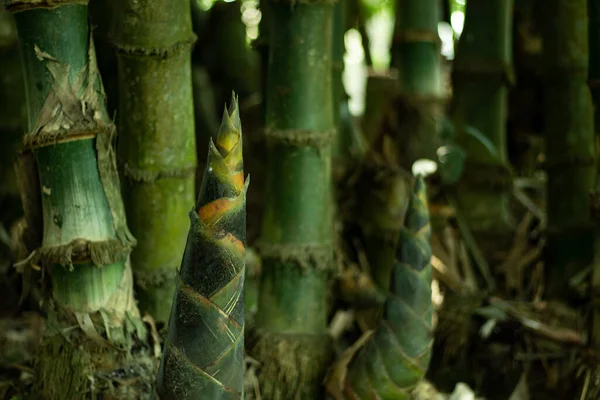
x,y
390,361
204,350
69,133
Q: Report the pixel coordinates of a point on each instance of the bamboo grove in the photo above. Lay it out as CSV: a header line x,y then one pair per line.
x,y
343,271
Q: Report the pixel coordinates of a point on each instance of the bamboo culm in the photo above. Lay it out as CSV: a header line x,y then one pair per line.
x,y
204,351
416,58
157,149
296,244
73,195
482,73
569,134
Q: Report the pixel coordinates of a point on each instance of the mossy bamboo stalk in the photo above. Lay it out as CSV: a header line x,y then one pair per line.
x,y
297,234
204,349
570,161
481,74
417,60
157,150
388,362
85,242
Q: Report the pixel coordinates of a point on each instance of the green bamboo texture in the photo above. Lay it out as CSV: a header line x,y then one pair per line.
x,y
416,58
157,149
85,241
481,74
569,130
72,193
204,351
296,239
389,362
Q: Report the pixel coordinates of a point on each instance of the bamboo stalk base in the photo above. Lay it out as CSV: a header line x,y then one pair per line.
x,y
293,365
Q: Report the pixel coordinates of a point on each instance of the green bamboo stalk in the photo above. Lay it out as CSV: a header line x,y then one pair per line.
x,y
293,344
388,363
481,74
417,60
570,161
349,141
85,242
204,349
157,149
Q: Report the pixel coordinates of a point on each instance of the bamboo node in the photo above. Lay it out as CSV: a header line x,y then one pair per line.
x,y
569,160
467,68
318,139
306,256
161,53
417,35
80,251
135,174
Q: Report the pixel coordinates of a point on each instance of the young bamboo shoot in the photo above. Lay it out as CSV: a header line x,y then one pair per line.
x,y
204,349
388,362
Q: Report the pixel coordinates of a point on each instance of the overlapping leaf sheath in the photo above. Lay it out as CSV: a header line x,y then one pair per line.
x,y
387,363
70,191
85,240
204,349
